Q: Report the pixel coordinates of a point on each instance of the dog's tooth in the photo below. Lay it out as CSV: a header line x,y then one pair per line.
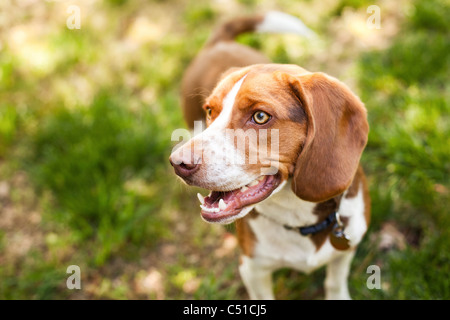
x,y
201,198
244,188
253,183
209,209
222,205
260,178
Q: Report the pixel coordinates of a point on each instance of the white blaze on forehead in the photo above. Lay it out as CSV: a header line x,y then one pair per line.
x,y
222,161
219,145
227,107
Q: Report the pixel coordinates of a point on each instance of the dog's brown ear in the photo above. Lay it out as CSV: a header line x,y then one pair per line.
x,y
337,135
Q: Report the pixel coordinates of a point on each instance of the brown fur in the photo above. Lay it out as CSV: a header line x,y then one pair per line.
x,y
263,89
245,235
323,210
229,30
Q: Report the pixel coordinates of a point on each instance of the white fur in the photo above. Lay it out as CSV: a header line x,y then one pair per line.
x,y
279,22
276,247
352,208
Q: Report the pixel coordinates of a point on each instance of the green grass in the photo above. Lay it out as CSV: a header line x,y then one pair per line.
x,y
37,278
405,89
8,126
89,159
90,127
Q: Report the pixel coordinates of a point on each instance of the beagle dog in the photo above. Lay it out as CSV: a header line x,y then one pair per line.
x,y
280,155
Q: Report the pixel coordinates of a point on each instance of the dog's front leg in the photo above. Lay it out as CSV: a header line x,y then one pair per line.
x,y
336,287
257,279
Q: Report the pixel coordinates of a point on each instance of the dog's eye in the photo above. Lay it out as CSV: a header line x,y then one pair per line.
x,y
208,112
260,117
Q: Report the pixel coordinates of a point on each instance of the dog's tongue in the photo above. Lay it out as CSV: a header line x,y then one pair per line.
x,y
222,199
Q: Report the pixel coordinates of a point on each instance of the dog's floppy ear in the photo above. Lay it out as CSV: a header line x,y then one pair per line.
x,y
337,135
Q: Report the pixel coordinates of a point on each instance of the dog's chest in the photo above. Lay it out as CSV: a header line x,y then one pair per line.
x,y
278,247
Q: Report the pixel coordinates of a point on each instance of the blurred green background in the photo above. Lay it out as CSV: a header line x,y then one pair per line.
x,y
86,117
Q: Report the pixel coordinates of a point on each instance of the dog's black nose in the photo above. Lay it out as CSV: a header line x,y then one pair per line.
x,y
182,168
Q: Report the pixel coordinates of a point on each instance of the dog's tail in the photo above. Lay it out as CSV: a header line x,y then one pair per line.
x,y
271,22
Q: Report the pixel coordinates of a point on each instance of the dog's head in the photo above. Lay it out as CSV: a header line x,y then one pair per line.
x,y
265,124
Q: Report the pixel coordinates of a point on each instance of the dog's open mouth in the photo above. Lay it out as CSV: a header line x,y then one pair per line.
x,y
226,206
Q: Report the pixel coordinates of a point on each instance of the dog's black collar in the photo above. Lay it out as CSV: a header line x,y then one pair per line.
x,y
315,228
